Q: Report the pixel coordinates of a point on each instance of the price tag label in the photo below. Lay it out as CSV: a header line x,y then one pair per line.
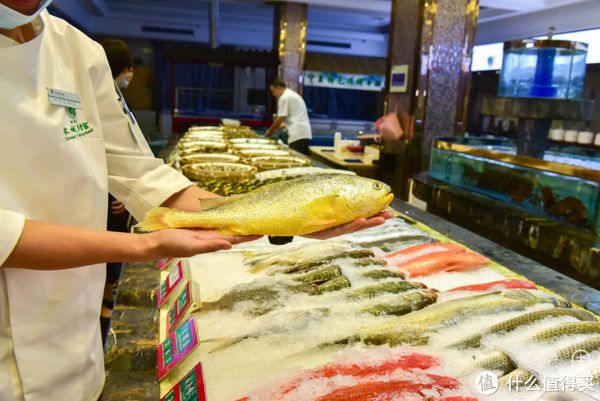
x,y
190,388
165,289
175,348
179,307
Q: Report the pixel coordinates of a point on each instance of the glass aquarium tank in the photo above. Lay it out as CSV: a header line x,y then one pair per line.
x,y
567,191
543,69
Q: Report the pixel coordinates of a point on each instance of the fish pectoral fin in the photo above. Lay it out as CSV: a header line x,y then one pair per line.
x,y
211,203
327,208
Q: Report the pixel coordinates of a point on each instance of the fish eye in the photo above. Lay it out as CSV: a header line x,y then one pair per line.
x,y
377,185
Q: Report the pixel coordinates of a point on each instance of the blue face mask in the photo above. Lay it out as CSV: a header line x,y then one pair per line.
x,y
10,19
124,83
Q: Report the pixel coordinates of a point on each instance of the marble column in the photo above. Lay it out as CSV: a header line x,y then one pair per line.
x,y
291,45
435,39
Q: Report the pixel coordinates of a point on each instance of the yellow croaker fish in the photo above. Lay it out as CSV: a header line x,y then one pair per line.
x,y
295,207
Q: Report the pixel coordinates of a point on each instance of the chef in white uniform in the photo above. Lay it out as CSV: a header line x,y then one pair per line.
x,y
65,142
291,110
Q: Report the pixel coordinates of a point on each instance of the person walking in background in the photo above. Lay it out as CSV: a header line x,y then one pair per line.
x,y
291,110
120,60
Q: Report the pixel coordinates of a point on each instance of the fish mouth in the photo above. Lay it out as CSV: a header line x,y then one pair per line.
x,y
387,198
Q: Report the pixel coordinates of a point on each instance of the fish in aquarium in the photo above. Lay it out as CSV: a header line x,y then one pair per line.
x,y
570,208
296,207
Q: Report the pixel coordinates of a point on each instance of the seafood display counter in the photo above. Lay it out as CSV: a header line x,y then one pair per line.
x,y
335,320
414,309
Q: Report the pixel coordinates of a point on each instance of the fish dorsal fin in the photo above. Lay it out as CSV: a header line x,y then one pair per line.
x,y
327,207
211,203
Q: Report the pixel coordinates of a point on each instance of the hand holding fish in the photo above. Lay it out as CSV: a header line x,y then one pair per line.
x,y
356,225
189,242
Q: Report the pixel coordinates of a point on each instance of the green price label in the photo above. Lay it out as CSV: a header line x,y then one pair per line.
x,y
170,396
182,300
172,317
163,289
167,352
188,388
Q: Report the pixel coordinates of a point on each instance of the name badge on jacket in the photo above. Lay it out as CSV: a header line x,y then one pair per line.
x,y
64,98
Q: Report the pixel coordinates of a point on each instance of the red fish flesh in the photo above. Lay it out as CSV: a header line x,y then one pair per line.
x,y
446,261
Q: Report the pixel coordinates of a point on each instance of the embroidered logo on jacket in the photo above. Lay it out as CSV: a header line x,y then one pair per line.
x,y
75,129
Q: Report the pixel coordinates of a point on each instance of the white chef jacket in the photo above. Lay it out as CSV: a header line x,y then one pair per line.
x,y
291,106
58,165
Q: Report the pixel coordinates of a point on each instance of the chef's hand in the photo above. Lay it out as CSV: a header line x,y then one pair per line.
x,y
186,243
117,207
356,225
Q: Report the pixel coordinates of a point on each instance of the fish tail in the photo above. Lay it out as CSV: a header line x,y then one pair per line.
x,y
156,219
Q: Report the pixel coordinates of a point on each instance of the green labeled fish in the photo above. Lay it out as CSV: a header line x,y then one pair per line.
x,y
295,207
